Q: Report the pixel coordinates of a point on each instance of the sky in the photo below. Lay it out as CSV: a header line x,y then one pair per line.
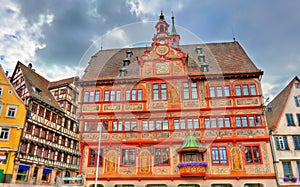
x,y
58,37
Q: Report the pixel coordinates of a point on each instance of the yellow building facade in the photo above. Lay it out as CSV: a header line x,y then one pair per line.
x,y
12,118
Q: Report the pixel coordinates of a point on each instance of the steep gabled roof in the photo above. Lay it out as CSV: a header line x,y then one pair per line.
x,y
36,83
59,83
223,57
278,105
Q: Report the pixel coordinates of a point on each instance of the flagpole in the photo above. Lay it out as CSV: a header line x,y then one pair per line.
x,y
98,156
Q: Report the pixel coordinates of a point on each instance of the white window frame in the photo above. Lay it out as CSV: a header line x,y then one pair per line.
x,y
8,133
7,111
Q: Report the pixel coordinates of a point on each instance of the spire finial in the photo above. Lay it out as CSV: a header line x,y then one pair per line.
x,y
161,17
173,31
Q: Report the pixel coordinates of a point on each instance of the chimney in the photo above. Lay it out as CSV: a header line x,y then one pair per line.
x,y
6,73
30,66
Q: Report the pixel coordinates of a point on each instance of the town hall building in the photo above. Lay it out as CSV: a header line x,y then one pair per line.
x,y
174,115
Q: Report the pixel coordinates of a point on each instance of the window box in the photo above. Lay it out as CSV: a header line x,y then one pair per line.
x,y
192,168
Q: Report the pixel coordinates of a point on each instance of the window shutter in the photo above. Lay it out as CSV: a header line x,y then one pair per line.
x,y
276,142
296,101
285,143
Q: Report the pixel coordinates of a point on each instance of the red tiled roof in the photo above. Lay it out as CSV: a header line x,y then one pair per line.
x,y
225,57
61,82
35,81
278,105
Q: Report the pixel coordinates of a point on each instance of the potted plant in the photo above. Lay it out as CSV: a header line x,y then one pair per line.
x,y
285,179
294,179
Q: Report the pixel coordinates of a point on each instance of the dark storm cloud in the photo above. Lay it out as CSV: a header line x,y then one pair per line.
x,y
75,24
267,30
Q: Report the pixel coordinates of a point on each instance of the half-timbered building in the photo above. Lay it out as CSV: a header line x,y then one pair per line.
x,y
49,145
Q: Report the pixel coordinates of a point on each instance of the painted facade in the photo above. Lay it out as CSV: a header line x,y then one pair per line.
x,y
12,119
283,117
139,105
49,144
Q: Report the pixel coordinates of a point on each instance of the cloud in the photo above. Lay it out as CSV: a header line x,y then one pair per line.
x,y
19,38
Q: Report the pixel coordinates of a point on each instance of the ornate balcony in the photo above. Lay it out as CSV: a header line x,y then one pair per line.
x,y
192,169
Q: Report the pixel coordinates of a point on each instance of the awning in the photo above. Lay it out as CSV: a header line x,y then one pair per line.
x,y
24,168
47,171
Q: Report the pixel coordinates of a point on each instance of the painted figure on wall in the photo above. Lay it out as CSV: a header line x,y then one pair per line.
x,y
111,163
145,162
236,159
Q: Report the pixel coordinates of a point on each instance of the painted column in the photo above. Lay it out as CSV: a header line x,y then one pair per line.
x,y
30,174
15,172
53,176
39,175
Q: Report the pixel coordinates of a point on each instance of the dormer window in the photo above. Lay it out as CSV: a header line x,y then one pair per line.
x,y
123,72
201,57
129,54
199,50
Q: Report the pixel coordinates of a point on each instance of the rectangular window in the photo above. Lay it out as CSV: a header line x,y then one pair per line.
x,y
36,131
245,90
297,101
1,91
296,139
48,114
298,118
212,92
86,97
4,133
190,90
159,91
128,157
252,154
134,95
162,156
217,122
118,95
140,95
41,111
287,168
155,125
34,108
226,91
11,111
97,96
238,91
219,91
93,156
91,98
290,119
219,155
281,143
106,95
253,89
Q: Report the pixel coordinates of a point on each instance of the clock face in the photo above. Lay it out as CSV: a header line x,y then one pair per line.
x,y
162,68
162,50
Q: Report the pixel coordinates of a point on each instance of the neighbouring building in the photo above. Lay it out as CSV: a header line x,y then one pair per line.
x,y
283,118
49,144
174,116
12,119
